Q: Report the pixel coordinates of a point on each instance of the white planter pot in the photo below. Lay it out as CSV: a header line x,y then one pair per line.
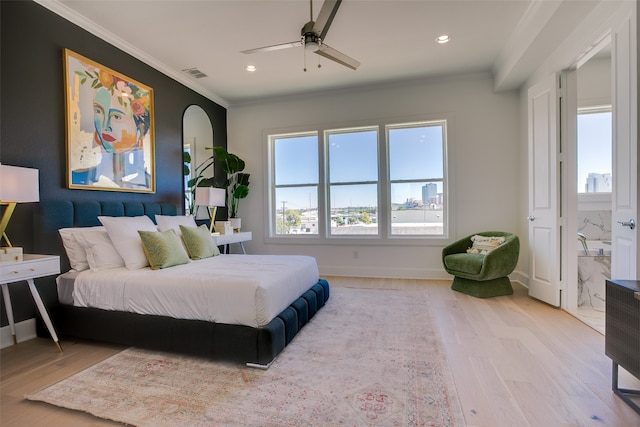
x,y
235,224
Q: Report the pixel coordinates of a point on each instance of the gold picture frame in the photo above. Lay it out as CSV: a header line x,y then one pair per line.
x,y
109,128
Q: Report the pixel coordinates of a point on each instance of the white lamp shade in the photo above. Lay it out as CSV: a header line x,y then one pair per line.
x,y
18,184
209,196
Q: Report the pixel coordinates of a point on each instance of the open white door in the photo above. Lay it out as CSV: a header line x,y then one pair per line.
x,y
544,191
624,232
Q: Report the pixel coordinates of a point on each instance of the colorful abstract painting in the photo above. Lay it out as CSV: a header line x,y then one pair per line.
x,y
109,123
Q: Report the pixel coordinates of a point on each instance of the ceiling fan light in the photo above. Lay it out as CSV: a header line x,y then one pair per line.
x,y
312,46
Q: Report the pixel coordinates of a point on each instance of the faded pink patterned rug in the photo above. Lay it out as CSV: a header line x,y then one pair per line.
x,y
368,358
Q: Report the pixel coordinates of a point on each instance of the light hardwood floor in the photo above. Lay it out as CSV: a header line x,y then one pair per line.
x,y
515,362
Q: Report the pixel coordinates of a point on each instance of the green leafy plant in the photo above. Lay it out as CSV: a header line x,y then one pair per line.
x,y
237,182
199,180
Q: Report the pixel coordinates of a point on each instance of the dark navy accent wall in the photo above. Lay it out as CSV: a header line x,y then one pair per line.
x,y
32,119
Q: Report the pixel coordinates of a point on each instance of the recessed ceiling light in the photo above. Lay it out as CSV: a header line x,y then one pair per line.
x,y
443,39
250,68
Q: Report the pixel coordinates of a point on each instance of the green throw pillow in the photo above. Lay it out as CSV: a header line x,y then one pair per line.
x,y
163,249
199,242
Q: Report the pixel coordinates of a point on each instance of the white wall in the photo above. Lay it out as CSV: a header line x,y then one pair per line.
x,y
486,173
594,83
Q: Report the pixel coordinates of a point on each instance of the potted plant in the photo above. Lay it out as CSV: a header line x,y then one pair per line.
x,y
237,182
199,180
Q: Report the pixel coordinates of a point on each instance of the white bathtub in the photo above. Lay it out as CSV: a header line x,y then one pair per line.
x,y
596,248
593,270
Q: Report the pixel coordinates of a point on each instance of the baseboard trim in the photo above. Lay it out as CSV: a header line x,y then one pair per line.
x,y
521,277
25,330
384,272
403,273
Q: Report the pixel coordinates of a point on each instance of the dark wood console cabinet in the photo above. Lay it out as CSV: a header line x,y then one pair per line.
x,y
622,336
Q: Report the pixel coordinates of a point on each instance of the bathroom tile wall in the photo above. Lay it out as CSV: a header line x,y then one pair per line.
x,y
596,225
593,270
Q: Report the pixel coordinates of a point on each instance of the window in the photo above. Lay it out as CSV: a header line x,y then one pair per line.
x,y
295,184
347,183
416,176
594,150
353,181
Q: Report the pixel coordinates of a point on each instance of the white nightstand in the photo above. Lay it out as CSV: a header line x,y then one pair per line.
x,y
225,240
32,267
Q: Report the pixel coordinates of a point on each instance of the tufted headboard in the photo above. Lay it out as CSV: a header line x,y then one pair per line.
x,y
52,215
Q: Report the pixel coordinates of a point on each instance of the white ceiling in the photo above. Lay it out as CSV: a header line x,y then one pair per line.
x,y
394,40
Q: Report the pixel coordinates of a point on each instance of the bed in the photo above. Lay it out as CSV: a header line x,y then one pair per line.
x,y
254,335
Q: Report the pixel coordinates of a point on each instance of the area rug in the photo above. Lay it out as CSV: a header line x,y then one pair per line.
x,y
368,358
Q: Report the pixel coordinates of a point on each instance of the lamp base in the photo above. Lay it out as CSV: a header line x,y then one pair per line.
x,y
4,222
212,218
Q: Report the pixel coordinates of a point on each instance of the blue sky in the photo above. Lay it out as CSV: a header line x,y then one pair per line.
x,y
415,153
594,145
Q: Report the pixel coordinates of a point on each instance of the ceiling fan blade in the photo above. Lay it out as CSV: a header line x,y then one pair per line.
x,y
339,57
274,47
325,17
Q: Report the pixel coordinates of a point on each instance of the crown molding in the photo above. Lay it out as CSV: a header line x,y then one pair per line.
x,y
70,15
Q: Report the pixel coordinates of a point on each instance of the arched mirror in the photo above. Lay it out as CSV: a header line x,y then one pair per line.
x,y
197,133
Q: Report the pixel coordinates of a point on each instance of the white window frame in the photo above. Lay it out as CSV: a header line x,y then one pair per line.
x,y
602,200
328,184
445,192
384,237
272,208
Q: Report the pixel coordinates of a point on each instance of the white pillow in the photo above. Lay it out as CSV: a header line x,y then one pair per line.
x,y
101,254
75,252
168,222
123,232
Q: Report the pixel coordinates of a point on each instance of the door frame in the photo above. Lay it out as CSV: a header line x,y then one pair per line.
x,y
569,269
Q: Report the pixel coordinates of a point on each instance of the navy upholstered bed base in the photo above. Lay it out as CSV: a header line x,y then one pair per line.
x,y
236,343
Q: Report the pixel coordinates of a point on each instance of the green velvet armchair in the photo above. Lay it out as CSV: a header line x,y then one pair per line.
x,y
481,275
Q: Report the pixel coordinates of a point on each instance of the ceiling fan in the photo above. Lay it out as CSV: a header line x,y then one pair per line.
x,y
313,34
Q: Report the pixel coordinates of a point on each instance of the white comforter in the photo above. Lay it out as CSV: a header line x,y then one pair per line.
x,y
235,289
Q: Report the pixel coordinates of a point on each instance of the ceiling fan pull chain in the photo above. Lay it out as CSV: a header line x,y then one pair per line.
x,y
304,56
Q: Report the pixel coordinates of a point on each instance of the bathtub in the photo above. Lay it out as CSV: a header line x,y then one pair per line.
x,y
593,270
596,248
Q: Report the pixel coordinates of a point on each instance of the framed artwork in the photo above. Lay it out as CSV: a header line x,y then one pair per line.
x,y
109,124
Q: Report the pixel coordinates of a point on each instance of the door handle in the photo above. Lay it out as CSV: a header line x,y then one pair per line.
x,y
531,217
631,224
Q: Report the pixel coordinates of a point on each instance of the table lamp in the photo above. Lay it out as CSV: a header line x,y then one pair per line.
x,y
211,198
17,185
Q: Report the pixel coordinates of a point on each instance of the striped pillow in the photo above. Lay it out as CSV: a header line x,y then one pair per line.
x,y
484,244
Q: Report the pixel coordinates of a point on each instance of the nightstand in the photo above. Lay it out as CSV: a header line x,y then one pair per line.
x,y
622,334
225,240
31,267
